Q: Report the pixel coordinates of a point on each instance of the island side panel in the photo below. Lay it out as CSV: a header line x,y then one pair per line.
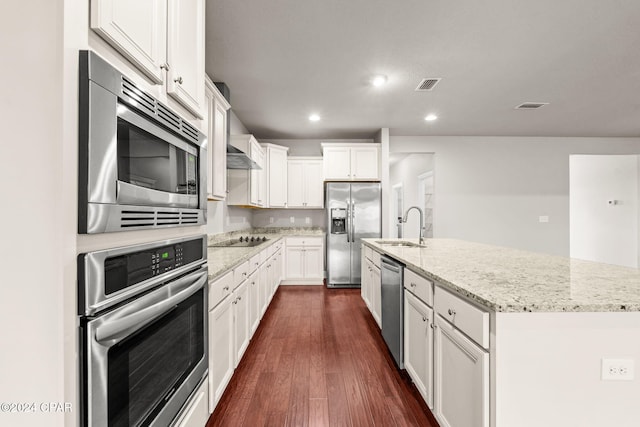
x,y
547,369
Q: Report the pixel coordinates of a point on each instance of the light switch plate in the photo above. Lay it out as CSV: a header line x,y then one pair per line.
x,y
543,218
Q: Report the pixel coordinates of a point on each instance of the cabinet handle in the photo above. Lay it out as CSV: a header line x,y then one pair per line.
x,y
451,312
226,288
244,274
432,326
178,80
424,319
239,298
256,263
164,66
413,285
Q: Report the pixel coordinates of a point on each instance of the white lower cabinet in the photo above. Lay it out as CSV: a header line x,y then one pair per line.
x,y
221,350
196,414
371,285
418,345
304,260
376,294
237,300
263,272
241,326
461,378
254,301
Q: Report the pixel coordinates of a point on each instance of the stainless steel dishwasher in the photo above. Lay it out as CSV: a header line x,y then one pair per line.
x,y
393,307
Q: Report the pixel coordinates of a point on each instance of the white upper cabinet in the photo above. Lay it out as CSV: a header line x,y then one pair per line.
x,y
351,162
305,186
185,53
137,29
276,174
162,38
217,110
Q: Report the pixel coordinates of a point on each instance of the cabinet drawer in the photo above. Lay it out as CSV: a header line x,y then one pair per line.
x,y
419,286
240,274
304,241
219,289
367,251
375,258
468,318
254,263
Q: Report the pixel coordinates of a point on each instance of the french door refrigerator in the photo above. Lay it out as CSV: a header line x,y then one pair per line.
x,y
353,213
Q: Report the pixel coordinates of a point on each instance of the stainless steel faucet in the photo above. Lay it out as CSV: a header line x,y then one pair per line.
x,y
421,230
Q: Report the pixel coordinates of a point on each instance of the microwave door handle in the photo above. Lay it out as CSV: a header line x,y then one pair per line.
x,y
119,329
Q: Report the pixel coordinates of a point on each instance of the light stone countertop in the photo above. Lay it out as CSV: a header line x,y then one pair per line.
x,y
220,260
511,280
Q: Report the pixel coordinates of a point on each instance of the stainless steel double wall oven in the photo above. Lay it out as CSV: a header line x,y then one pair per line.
x,y
143,331
140,164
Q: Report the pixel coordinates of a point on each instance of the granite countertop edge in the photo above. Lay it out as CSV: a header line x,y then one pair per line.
x,y
496,303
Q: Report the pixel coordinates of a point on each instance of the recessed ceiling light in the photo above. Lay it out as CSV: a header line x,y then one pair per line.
x,y
379,80
431,117
314,117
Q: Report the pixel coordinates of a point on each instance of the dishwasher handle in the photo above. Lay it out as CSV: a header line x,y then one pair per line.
x,y
390,265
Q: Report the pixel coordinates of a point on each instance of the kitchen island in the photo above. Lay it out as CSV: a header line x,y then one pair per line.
x,y
551,322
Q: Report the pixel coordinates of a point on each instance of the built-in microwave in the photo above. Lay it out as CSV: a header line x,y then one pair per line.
x,y
141,165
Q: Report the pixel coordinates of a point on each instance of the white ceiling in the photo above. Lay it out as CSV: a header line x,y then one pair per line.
x,y
286,59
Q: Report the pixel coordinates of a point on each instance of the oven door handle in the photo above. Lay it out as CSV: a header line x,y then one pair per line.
x,y
178,291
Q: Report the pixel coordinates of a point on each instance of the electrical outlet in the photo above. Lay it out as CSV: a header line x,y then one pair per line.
x,y
307,220
617,369
543,218
292,220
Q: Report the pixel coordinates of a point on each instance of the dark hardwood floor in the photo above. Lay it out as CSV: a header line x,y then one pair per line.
x,y
318,359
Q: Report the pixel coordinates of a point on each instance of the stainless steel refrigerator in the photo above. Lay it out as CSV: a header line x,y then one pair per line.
x,y
353,213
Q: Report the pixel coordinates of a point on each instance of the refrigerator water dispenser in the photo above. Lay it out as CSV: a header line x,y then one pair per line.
x,y
338,221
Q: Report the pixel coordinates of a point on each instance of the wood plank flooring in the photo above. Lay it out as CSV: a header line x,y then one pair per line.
x,y
318,359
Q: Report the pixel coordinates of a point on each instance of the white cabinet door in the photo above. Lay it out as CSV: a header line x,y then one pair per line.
x,y
196,414
418,345
254,301
136,29
461,379
313,262
376,294
364,163
296,183
185,54
277,181
295,262
264,286
221,349
336,163
365,282
217,110
314,186
241,326
257,184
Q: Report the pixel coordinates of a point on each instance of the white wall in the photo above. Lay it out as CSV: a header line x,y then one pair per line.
x,y
493,189
32,223
602,231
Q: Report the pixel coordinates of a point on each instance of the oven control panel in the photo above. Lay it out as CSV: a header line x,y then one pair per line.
x,y
126,270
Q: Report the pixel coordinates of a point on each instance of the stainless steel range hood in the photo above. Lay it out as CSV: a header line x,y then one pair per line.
x,y
237,159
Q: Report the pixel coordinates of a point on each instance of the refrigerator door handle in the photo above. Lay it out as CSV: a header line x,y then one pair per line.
x,y
353,220
349,224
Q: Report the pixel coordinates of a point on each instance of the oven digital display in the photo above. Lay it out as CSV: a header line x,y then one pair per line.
x,y
127,270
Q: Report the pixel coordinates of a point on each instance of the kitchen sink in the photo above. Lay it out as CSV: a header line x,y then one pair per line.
x,y
400,243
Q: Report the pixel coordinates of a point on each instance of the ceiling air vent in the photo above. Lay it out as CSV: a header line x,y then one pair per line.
x,y
531,105
428,84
